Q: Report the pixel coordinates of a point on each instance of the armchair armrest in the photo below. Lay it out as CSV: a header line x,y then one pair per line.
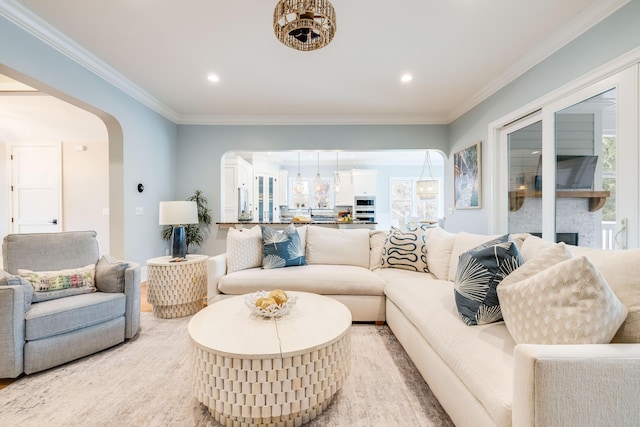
x,y
132,277
216,268
576,385
11,331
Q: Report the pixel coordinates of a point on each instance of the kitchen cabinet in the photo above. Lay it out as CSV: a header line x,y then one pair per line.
x,y
264,187
283,188
345,196
238,173
365,182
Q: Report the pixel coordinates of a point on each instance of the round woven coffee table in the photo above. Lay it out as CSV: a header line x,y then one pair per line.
x,y
256,371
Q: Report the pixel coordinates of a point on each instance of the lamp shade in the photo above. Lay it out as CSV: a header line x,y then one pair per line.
x,y
172,213
427,189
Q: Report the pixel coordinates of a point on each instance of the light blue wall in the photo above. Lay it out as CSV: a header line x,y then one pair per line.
x,y
201,149
142,143
611,38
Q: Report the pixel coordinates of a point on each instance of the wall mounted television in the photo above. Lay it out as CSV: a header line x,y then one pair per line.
x,y
572,172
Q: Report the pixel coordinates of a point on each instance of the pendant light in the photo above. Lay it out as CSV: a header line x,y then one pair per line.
x,y
317,183
427,188
337,185
298,185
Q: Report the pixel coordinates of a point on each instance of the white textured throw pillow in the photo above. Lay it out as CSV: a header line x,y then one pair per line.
x,y
568,303
244,249
547,257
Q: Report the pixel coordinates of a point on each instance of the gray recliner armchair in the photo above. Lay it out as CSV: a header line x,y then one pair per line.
x,y
40,330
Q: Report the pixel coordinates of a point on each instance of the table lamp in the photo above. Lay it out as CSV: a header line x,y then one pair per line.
x,y
177,214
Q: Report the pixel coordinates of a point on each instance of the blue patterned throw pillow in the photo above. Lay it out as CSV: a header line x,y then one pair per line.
x,y
281,248
480,270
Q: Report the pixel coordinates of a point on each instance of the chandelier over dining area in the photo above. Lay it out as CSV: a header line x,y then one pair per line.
x,y
304,24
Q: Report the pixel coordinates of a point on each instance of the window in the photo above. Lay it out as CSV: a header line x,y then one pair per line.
x,y
299,196
307,196
404,202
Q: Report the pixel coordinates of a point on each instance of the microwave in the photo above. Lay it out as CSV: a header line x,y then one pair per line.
x,y
364,201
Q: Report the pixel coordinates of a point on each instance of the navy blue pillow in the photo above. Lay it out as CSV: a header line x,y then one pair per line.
x,y
479,272
281,248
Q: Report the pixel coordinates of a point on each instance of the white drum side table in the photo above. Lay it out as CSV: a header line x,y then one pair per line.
x,y
177,289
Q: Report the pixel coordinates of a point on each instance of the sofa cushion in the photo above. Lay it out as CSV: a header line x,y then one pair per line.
x,y
405,249
463,243
244,248
480,270
110,274
439,247
281,248
481,357
336,246
568,303
532,246
7,279
376,246
319,278
44,281
55,317
49,251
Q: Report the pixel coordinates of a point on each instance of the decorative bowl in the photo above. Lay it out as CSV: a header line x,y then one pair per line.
x,y
274,310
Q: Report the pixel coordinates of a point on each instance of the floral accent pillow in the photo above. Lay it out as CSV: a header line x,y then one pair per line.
x,y
281,248
44,281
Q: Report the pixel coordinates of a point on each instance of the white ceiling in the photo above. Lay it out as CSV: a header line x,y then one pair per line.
x,y
458,51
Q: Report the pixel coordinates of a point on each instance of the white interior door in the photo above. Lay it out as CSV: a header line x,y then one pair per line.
x,y
36,181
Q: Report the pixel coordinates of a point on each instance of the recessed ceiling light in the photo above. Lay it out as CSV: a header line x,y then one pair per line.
x,y
213,78
406,78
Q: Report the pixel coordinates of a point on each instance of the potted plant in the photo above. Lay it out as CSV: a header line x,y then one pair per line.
x,y
196,233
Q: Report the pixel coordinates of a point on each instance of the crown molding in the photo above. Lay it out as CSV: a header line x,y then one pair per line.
x,y
240,120
43,31
577,26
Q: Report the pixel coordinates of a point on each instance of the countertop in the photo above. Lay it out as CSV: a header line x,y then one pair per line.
x,y
301,222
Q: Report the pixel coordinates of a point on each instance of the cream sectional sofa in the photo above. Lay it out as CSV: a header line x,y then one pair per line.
x,y
478,373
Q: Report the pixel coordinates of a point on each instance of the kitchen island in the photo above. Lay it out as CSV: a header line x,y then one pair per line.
x,y
281,224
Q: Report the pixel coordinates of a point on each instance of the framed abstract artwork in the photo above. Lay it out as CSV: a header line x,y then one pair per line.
x,y
467,176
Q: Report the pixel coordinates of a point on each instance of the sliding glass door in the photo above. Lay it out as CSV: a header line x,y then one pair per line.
x,y
572,167
592,160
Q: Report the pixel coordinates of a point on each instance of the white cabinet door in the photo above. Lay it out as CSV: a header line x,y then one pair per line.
x,y
265,209
365,182
283,188
237,174
345,196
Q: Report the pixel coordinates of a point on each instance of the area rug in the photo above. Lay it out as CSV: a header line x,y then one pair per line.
x,y
145,382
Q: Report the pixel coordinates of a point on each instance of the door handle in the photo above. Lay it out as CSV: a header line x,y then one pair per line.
x,y
620,239
54,221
